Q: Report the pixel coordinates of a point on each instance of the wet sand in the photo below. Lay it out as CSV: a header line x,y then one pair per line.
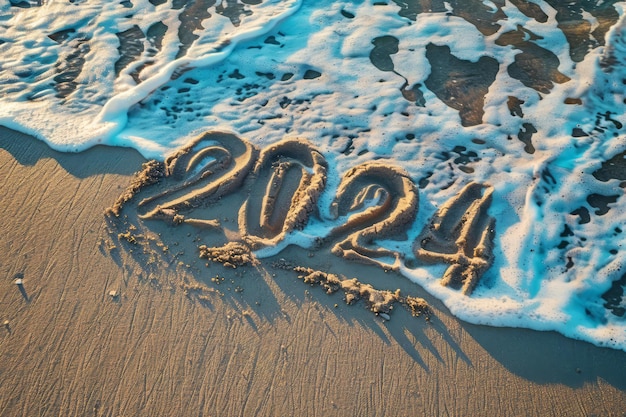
x,y
103,326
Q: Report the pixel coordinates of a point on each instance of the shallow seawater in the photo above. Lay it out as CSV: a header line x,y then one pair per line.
x,y
510,110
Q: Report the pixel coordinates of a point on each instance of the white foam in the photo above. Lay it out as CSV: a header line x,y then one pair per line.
x,y
236,78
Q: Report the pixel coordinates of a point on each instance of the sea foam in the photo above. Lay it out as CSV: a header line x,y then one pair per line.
x,y
527,97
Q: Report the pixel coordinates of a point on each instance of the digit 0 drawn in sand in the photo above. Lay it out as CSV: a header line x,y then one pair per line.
x,y
276,193
288,179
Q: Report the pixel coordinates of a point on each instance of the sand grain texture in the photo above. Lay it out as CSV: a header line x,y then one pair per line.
x,y
279,347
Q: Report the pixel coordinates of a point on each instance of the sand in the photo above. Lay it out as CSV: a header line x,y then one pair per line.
x,y
104,326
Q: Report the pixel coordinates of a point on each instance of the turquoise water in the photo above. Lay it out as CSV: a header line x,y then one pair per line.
x,y
523,97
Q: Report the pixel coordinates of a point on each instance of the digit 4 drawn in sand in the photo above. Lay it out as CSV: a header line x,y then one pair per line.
x,y
460,234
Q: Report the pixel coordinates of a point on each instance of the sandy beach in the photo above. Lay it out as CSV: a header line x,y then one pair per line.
x,y
102,326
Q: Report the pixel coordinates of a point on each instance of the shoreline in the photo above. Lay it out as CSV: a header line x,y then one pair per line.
x,y
159,346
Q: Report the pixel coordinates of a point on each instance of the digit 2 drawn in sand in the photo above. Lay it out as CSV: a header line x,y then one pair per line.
x,y
279,189
395,203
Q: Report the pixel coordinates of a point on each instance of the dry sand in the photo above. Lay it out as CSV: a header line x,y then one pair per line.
x,y
104,327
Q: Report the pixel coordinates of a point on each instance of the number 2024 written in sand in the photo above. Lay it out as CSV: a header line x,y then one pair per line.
x,y
284,181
